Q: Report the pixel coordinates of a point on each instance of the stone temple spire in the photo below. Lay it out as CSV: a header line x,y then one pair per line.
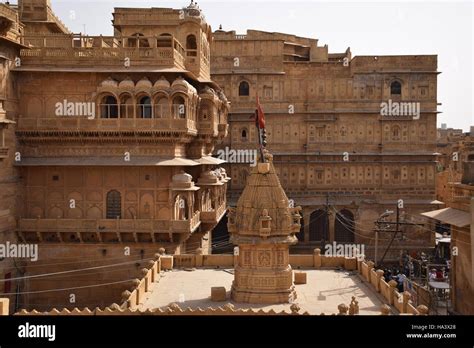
x,y
263,225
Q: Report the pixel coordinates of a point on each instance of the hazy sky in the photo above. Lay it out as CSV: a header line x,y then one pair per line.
x,y
444,28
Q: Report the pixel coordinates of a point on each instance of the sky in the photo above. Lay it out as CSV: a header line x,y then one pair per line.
x,y
445,28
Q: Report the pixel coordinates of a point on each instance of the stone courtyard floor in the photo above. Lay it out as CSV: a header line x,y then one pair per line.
x,y
324,291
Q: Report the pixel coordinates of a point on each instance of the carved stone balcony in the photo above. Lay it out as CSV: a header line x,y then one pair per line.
x,y
93,225
107,124
100,51
214,216
186,226
106,230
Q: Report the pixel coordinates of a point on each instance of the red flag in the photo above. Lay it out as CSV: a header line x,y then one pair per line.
x,y
260,115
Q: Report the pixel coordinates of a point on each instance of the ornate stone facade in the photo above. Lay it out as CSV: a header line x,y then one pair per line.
x,y
263,226
102,138
334,152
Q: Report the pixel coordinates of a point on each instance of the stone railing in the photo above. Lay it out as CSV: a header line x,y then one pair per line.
x,y
71,123
173,309
93,225
214,215
317,260
196,260
97,51
189,225
8,12
133,299
401,301
141,287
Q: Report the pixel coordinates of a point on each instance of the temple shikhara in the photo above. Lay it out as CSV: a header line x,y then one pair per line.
x,y
109,165
263,226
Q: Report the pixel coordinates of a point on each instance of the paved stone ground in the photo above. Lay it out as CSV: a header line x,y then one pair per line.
x,y
324,291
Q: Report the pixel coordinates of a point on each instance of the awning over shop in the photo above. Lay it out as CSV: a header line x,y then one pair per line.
x,y
450,216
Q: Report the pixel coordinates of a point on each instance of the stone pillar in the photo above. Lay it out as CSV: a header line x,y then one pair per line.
x,y
379,273
422,310
393,286
406,297
158,263
385,310
198,258
4,306
342,308
317,258
152,266
370,265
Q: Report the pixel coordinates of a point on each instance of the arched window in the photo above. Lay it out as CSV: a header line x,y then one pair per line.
x,y
114,205
344,227
144,107
137,40
181,208
243,135
191,46
319,226
244,89
109,107
396,133
396,88
179,107
164,40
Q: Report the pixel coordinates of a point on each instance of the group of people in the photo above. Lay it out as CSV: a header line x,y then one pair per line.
x,y
395,274
437,274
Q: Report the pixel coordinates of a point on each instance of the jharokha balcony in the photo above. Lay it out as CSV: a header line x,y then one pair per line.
x,y
105,230
96,52
119,118
214,216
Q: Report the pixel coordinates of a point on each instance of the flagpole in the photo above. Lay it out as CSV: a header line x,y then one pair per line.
x,y
261,131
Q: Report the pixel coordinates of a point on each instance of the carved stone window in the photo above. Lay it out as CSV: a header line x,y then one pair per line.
x,y
244,89
114,205
396,88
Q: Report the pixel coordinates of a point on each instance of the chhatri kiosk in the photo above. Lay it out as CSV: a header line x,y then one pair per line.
x,y
263,226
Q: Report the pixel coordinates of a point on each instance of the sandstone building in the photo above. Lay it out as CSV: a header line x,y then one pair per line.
x,y
335,154
105,142
455,187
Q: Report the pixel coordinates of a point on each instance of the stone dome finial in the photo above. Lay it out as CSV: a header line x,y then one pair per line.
x,y
182,177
